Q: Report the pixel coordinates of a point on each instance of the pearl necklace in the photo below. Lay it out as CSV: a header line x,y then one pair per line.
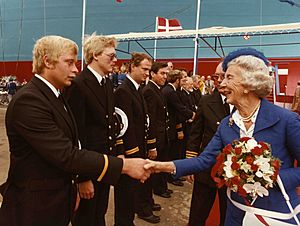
x,y
248,118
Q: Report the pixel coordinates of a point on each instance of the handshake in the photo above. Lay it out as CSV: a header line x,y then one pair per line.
x,y
141,169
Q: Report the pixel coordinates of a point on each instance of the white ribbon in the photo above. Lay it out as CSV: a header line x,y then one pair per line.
x,y
262,212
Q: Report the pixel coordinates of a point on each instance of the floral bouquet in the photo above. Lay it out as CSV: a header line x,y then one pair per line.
x,y
246,167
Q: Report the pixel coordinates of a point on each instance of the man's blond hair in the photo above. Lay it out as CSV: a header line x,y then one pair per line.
x,y
95,44
52,46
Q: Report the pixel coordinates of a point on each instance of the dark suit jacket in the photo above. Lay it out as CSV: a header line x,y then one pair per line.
x,y
278,127
177,111
136,139
159,119
44,155
196,94
208,117
93,107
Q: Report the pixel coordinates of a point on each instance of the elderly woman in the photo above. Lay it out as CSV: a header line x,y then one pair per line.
x,y
246,83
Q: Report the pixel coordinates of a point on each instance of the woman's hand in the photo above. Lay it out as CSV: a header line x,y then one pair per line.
x,y
157,167
190,179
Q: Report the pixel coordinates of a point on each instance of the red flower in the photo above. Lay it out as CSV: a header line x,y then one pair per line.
x,y
227,149
235,180
238,151
254,167
234,159
275,164
245,139
235,166
249,159
257,151
242,191
244,175
264,145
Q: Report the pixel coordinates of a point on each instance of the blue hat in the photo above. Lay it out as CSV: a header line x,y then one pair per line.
x,y
243,52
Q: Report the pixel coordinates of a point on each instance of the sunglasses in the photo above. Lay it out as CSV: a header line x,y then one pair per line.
x,y
111,56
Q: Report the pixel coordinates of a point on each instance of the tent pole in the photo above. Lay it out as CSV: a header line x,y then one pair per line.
x,y
195,69
83,31
155,41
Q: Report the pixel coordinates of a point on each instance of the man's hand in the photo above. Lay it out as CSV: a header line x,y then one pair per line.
x,y
180,135
152,154
134,167
86,189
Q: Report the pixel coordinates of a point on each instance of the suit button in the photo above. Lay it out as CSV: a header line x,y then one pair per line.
x,y
106,116
114,113
110,148
109,126
110,137
116,124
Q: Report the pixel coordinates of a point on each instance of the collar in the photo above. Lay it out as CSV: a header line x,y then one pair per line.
x,y
239,122
136,85
96,74
172,86
54,90
155,84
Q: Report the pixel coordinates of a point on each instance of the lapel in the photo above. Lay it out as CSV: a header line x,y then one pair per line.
x,y
266,117
156,90
94,86
216,105
137,94
57,104
133,90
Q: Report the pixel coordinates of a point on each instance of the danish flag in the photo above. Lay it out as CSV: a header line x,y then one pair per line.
x,y
166,25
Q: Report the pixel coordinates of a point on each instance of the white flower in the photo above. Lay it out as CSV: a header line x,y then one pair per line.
x,y
250,179
256,189
227,167
250,144
245,166
263,164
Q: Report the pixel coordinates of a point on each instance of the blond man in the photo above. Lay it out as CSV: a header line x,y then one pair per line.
x,y
91,99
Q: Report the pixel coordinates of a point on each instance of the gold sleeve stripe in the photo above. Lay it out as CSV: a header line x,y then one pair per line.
x,y
178,126
132,151
190,156
119,142
191,152
151,141
104,168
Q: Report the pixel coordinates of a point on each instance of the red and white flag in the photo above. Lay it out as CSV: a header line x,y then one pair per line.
x,y
166,25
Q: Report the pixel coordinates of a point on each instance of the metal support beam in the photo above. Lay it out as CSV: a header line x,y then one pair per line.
x,y
144,49
207,43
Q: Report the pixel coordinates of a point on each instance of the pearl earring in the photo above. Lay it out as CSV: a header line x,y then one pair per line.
x,y
246,91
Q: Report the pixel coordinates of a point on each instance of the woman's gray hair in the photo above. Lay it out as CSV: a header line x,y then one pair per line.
x,y
255,74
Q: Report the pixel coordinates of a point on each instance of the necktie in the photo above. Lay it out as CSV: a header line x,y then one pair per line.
x,y
226,107
103,81
62,100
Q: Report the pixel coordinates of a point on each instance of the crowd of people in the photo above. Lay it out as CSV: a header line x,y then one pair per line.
x,y
8,88
72,136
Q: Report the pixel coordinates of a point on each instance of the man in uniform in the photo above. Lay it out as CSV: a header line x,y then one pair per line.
x,y
212,109
159,121
91,100
178,112
130,195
